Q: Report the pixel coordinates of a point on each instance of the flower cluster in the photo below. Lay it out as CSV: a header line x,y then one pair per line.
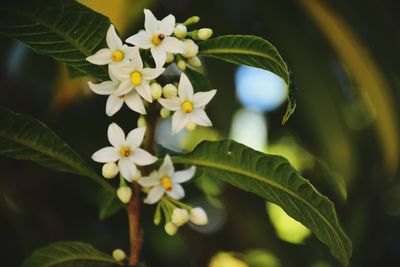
x,y
132,80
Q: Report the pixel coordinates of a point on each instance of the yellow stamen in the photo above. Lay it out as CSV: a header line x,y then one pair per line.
x,y
187,106
157,39
166,183
117,56
136,78
125,151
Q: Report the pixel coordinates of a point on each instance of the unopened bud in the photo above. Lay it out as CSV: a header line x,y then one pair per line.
x,y
124,194
119,255
198,216
190,126
138,175
191,48
180,30
156,90
194,62
170,228
192,20
170,58
141,122
179,217
110,170
169,90
181,65
204,33
164,113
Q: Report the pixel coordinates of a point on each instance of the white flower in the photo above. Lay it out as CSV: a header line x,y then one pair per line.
x,y
110,170
179,216
115,101
157,37
198,216
124,150
188,107
116,54
166,181
134,76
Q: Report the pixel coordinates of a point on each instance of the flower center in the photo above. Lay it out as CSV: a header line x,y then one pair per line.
x,y
117,55
157,39
187,106
125,151
136,78
166,183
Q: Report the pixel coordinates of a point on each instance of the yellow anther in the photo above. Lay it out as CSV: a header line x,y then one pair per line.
x,y
125,151
136,78
187,106
157,39
166,183
117,55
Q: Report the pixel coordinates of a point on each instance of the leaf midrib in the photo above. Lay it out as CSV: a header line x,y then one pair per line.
x,y
267,181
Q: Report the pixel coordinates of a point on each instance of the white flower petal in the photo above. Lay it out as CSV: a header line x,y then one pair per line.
x,y
124,87
173,45
150,22
177,191
127,169
114,104
106,154
119,72
135,137
200,117
135,103
104,88
152,180
142,39
159,55
183,176
200,99
166,168
154,195
185,88
167,25
111,69
112,39
116,135
151,74
173,104
136,60
179,121
144,90
141,157
101,57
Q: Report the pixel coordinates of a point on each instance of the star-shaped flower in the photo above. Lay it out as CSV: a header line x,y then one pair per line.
x,y
156,36
134,76
166,181
117,53
125,150
188,107
115,102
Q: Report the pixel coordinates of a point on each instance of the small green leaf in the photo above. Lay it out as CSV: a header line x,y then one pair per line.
x,y
26,138
274,179
199,80
62,29
251,51
69,254
109,205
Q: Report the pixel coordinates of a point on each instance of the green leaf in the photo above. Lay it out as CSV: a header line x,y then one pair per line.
x,y
69,254
109,205
199,80
26,138
62,29
274,179
251,51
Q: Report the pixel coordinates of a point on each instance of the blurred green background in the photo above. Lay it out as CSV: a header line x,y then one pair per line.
x,y
344,134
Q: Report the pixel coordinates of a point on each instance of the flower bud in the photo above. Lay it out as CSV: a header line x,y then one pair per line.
x,y
137,176
170,228
192,20
156,90
110,170
204,33
198,216
191,48
180,30
190,126
124,194
181,65
141,122
119,255
164,113
194,62
170,58
179,217
169,90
